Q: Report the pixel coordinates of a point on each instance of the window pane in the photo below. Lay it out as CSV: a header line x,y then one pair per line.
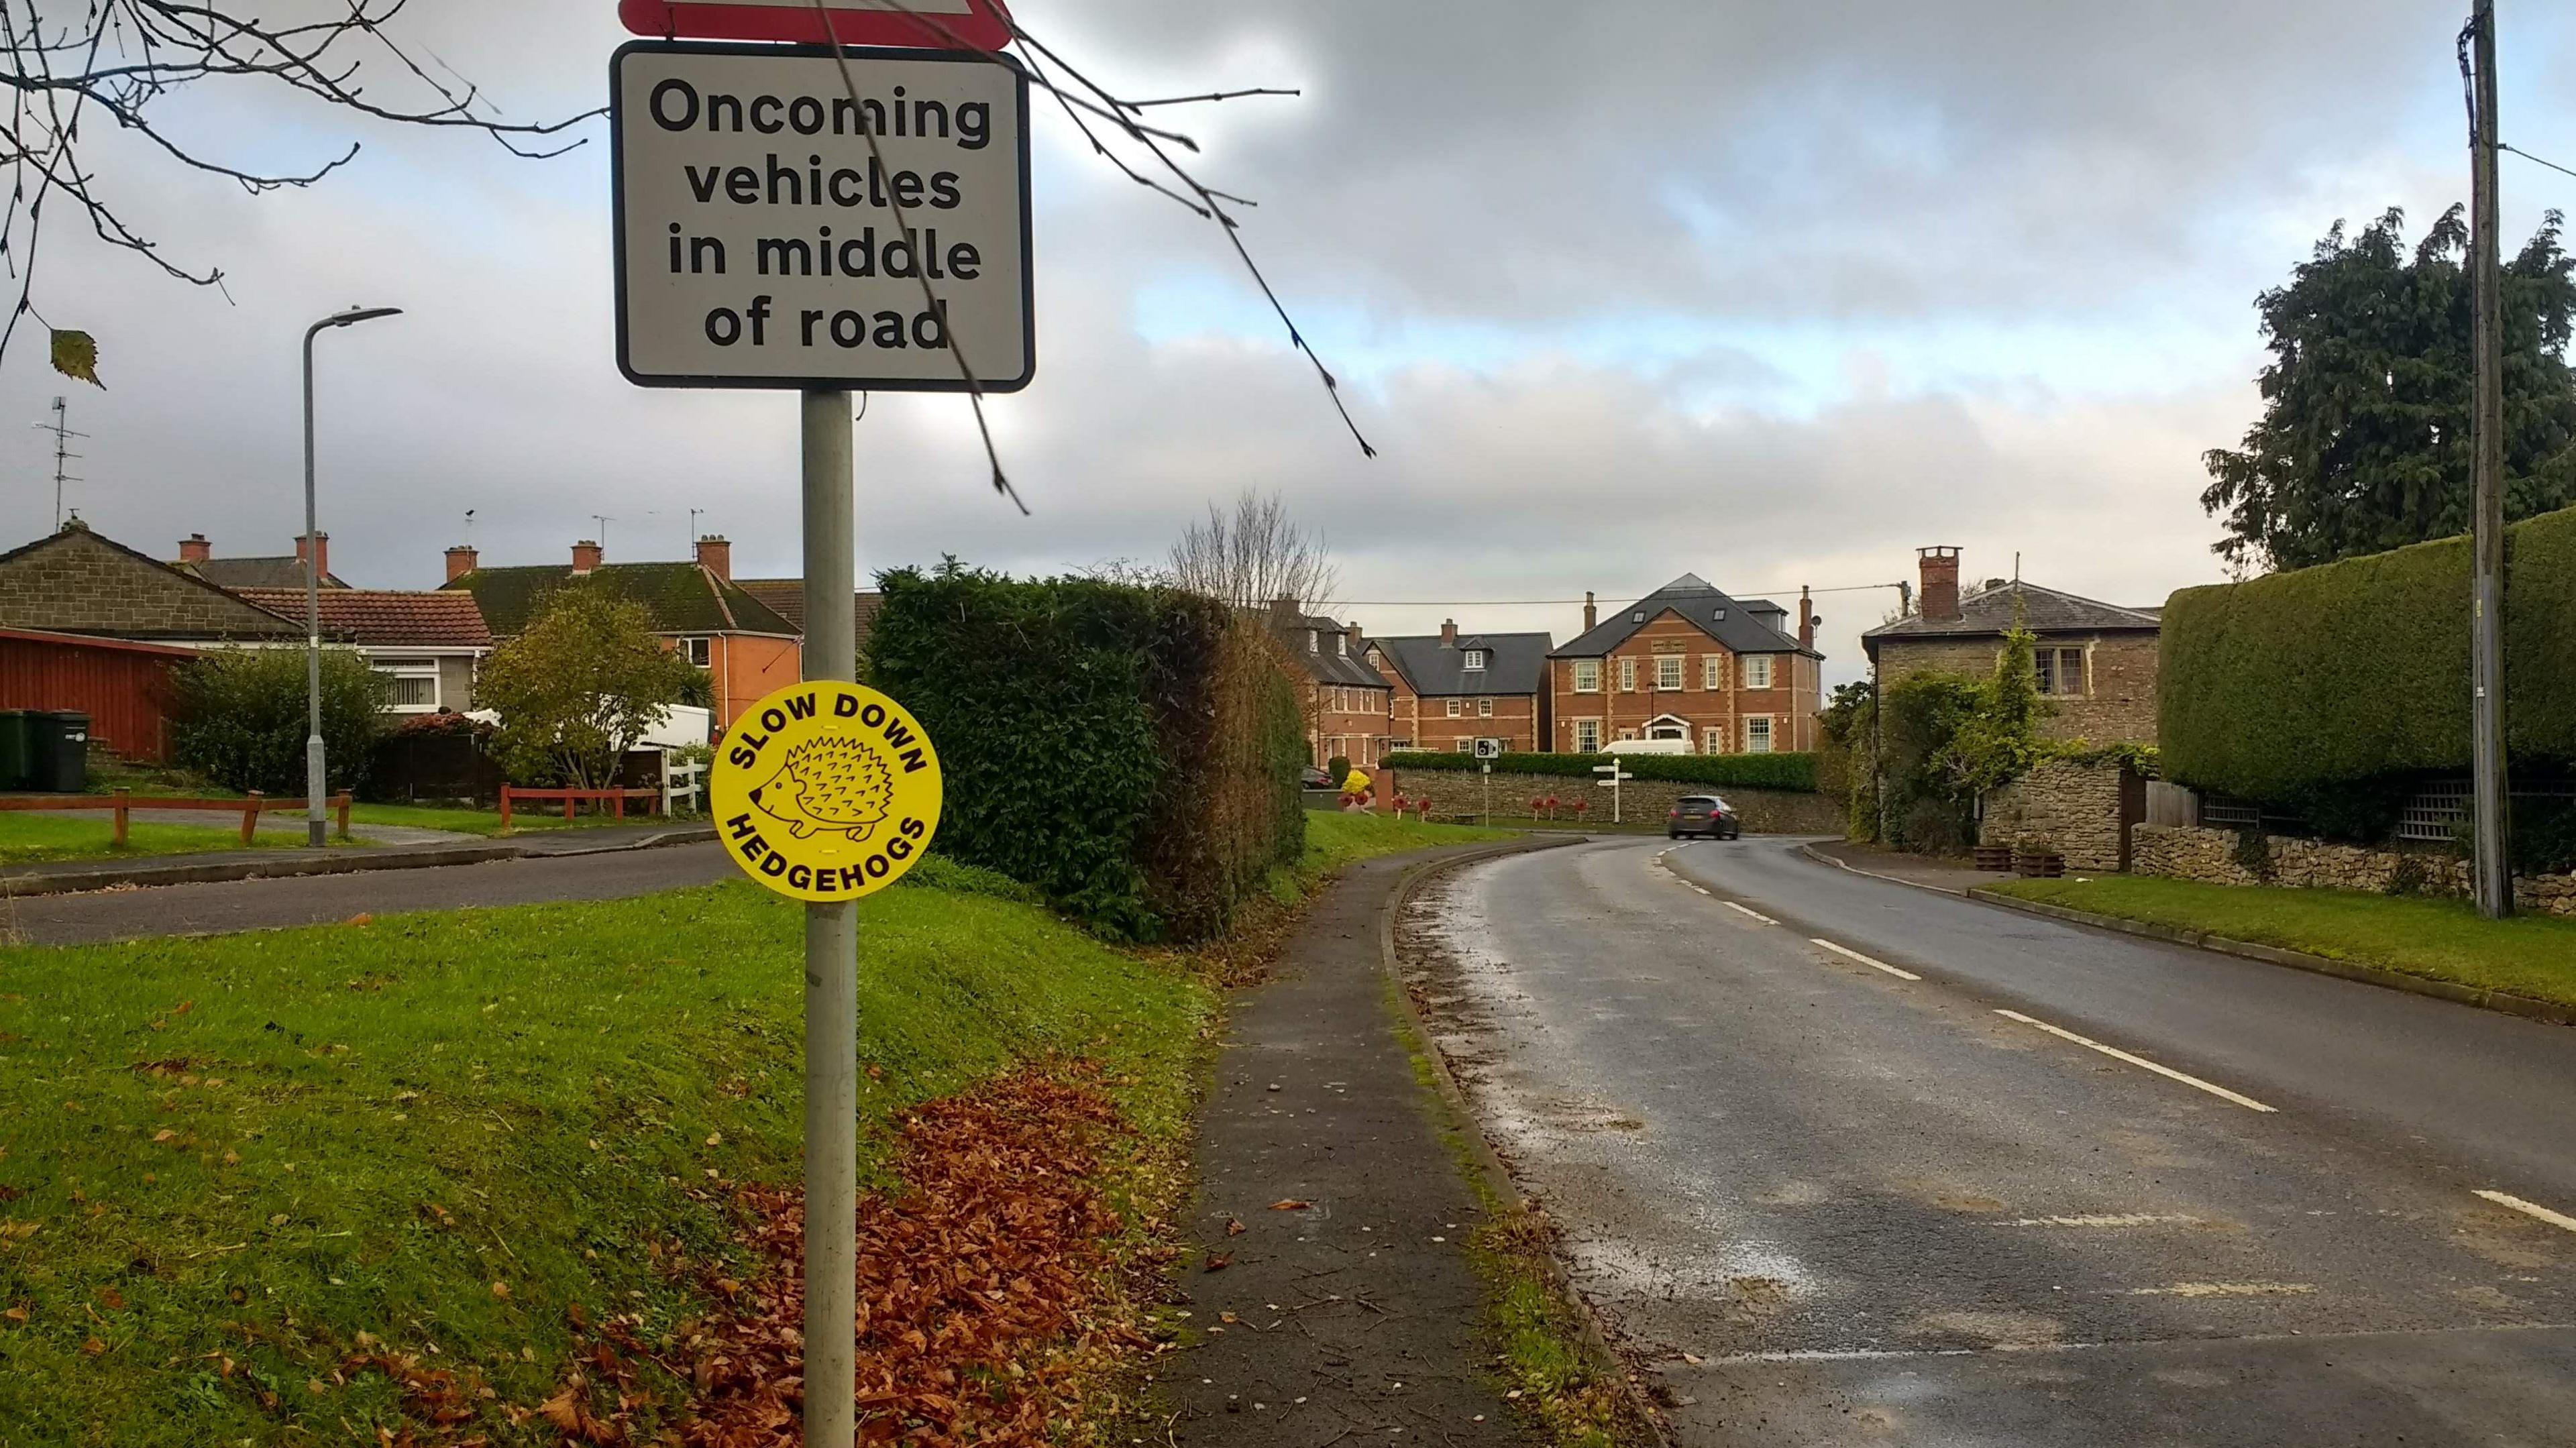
x,y
1484,708
1713,672
414,691
1668,672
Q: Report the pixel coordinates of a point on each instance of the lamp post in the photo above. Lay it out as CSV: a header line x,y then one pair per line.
x,y
314,788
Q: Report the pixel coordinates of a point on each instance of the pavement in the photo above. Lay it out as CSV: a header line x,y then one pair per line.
x,y
554,869
1354,1315
1834,1195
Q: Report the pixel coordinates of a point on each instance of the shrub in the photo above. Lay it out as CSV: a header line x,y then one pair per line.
x,y
1339,767
587,679
1130,751
1742,771
238,717
2303,690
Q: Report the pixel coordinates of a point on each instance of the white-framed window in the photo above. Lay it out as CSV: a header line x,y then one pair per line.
x,y
1627,734
1712,672
1627,676
1757,671
412,684
1587,678
1484,708
1587,736
1712,741
1466,746
1668,672
1475,659
2061,672
1757,735
1342,645
700,652
1457,707
1314,642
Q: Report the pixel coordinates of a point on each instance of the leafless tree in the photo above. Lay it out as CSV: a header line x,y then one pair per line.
x,y
1255,555
71,64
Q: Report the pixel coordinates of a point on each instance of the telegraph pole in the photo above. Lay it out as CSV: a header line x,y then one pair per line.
x,y
2494,883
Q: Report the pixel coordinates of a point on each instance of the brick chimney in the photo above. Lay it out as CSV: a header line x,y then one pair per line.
x,y
1807,619
585,556
1591,615
1940,584
195,549
1284,611
1351,631
1449,633
715,555
462,560
320,543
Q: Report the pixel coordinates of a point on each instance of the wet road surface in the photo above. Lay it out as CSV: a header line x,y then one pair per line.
x,y
1974,1178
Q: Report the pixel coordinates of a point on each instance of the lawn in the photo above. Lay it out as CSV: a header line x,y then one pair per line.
x,y
1336,839
481,821
28,838
2444,939
228,1163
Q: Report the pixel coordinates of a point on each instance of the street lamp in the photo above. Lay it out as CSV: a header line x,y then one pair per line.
x,y
314,789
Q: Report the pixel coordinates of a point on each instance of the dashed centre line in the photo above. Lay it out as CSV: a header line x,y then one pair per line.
x,y
1749,910
2530,1209
1850,954
2141,1062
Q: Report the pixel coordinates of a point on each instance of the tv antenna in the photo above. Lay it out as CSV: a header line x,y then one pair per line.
x,y
60,427
603,520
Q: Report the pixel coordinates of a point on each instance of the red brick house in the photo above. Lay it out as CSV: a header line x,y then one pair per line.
x,y
1689,663
1347,701
1449,690
2097,661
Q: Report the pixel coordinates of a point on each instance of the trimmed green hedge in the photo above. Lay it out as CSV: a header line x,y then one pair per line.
x,y
1132,753
2329,687
1743,771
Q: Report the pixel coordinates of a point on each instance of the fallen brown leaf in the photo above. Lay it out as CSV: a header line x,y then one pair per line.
x,y
1233,1228
1290,1205
93,1347
1219,1261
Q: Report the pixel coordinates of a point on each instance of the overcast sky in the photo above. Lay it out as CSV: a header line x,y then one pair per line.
x,y
1772,293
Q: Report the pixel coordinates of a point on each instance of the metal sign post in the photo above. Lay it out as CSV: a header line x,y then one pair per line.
x,y
817,219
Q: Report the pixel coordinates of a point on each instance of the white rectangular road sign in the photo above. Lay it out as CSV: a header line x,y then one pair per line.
x,y
757,241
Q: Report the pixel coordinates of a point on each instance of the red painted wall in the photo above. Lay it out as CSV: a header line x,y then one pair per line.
x,y
123,688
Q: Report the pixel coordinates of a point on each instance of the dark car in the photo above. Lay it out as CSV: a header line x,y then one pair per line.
x,y
1703,814
1315,778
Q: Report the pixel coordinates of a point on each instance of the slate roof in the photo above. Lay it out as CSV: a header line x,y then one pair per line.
x,y
383,618
682,598
77,582
1319,660
286,571
786,598
1744,626
1990,612
1515,663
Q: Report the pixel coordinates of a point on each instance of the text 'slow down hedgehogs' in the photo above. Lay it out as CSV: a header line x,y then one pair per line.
x,y
831,785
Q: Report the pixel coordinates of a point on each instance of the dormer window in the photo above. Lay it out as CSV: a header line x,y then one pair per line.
x,y
1342,645
1314,642
1475,659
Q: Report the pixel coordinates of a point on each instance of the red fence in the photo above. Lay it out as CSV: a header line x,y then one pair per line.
x,y
615,799
122,687
250,807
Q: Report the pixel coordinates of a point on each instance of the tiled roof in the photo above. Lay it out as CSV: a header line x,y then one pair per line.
x,y
1515,663
682,598
1994,610
1310,638
76,581
786,598
384,618
1743,625
286,571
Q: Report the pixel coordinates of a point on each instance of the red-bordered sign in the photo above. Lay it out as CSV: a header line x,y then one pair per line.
x,y
921,24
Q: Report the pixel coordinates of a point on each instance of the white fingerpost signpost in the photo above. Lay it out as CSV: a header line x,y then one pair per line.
x,y
819,218
1612,784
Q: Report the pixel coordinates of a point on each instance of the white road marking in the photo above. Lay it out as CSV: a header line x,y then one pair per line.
x,y
2531,1209
1865,960
2116,1054
1748,910
2227,1289
2106,1219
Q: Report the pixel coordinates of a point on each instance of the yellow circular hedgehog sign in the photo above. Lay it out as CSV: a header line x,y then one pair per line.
x,y
825,791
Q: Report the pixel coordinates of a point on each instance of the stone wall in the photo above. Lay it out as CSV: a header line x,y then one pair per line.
x,y
2197,852
2074,809
1460,795
2118,705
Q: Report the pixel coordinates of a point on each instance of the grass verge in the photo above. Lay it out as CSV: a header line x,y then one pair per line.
x,y
28,838
2440,939
476,821
228,1165
1549,1367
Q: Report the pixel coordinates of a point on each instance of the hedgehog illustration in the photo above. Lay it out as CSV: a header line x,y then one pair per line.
x,y
831,785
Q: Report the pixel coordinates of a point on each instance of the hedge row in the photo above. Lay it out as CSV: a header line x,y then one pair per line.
x,y
1743,771
1131,752
2304,688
